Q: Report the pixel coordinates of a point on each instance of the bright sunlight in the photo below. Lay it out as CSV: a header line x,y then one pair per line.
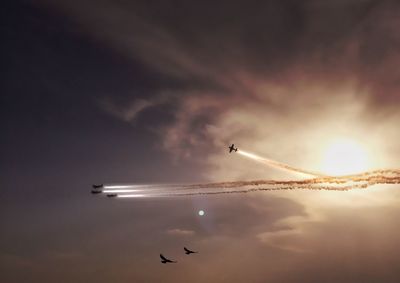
x,y
344,156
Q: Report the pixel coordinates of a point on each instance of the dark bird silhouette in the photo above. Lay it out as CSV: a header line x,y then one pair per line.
x,y
166,260
188,252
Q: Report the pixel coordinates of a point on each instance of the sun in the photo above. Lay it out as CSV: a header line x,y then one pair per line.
x,y
344,156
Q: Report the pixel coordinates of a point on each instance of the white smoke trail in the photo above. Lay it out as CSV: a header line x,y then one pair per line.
x,y
139,186
120,186
132,196
278,165
119,191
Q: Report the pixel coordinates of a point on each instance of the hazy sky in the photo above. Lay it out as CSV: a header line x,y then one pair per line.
x,y
152,92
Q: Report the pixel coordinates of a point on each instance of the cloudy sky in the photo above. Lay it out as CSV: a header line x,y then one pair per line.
x,y
153,92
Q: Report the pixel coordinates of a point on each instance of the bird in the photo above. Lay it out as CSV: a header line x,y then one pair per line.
x,y
188,252
166,260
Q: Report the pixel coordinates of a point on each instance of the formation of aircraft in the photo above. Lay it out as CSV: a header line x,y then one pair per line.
x,y
98,188
232,148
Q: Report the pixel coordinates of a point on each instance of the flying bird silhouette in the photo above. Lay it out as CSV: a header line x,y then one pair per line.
x,y
166,260
188,252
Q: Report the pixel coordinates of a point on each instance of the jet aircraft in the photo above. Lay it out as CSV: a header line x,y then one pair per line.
x,y
97,186
232,148
188,252
166,260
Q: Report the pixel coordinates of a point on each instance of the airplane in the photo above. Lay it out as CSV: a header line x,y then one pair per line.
x,y
96,192
166,260
232,148
97,186
112,195
188,252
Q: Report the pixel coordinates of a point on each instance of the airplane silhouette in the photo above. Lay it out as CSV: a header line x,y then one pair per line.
x,y
232,148
188,252
97,186
166,260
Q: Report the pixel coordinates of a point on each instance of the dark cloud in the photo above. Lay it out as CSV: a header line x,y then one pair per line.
x,y
216,56
221,42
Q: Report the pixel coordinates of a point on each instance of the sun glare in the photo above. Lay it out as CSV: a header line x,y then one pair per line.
x,y
344,156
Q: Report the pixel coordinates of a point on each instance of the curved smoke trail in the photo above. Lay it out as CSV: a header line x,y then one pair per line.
x,y
278,165
318,182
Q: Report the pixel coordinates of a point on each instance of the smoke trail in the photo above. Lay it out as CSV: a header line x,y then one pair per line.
x,y
277,164
318,182
118,191
120,186
343,183
132,196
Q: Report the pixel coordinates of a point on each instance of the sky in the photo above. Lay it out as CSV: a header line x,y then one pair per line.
x,y
153,92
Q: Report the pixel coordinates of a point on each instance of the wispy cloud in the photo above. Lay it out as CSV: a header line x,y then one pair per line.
x,y
180,232
128,112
